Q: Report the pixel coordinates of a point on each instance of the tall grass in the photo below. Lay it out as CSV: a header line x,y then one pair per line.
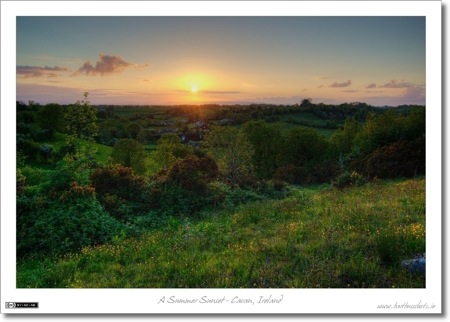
x,y
316,238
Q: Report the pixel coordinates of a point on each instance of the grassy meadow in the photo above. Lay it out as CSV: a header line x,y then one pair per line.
x,y
318,237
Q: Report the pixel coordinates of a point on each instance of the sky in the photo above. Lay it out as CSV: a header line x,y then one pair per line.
x,y
224,60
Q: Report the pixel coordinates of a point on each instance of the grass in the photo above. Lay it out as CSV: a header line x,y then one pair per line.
x,y
318,237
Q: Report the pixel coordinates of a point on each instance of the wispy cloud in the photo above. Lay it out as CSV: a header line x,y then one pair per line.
x,y
398,84
350,91
108,64
415,94
343,84
371,85
36,71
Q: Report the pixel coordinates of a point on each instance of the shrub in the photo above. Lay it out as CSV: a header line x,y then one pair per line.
x,y
57,227
193,173
118,180
130,153
348,179
294,174
123,193
400,159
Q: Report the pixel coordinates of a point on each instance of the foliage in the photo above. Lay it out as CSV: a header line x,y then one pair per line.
x,y
302,146
183,189
316,238
294,174
60,226
400,159
51,117
130,153
348,179
266,141
81,120
122,192
390,127
232,151
69,170
343,139
168,150
215,204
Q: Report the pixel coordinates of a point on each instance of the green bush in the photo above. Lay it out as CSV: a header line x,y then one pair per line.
x,y
400,159
348,179
123,193
55,227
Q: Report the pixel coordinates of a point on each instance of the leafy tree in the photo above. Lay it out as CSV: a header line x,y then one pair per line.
x,y
193,173
48,226
134,129
266,140
168,150
343,139
120,191
302,146
81,120
379,130
51,117
232,151
130,153
183,189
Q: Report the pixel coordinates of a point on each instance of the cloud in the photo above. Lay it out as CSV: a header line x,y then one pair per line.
x,y
106,65
343,84
396,84
36,71
371,85
350,91
415,94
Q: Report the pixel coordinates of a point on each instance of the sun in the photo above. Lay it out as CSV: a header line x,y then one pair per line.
x,y
194,89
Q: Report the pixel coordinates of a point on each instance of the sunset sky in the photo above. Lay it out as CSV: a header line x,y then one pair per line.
x,y
225,60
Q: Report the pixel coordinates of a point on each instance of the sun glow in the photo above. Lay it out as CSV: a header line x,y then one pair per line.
x,y
194,89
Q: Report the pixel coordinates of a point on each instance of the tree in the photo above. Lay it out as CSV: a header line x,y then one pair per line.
x,y
232,151
168,150
343,138
81,120
51,117
130,153
302,145
266,140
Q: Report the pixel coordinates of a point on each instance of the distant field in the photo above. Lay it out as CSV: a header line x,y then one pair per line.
x,y
128,111
307,116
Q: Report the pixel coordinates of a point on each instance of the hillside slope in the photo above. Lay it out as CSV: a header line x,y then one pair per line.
x,y
316,238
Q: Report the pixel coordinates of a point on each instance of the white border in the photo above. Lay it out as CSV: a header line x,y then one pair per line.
x,y
296,300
